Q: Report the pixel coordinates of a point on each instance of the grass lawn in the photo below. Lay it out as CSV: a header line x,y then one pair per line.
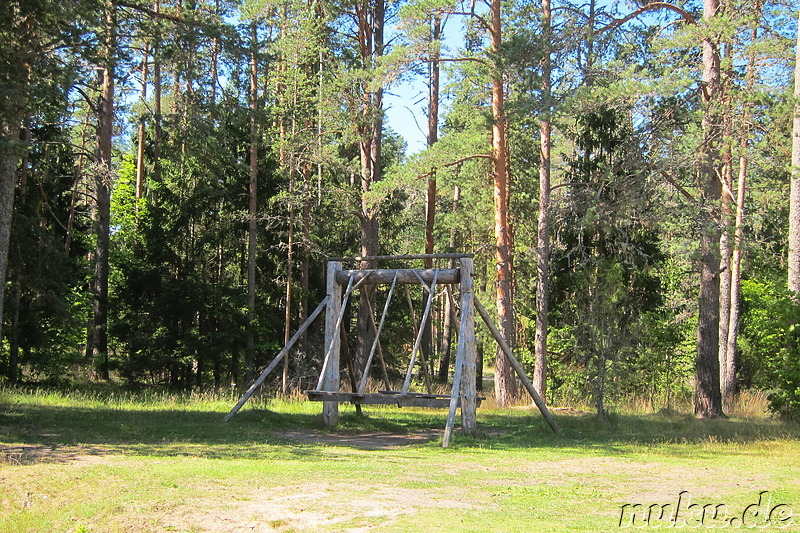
x,y
78,462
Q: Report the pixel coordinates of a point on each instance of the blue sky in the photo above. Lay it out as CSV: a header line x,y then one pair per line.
x,y
406,103
405,107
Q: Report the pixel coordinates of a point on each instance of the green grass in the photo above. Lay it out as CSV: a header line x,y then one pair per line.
x,y
107,461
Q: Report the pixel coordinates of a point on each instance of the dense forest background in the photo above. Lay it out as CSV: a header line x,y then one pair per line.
x,y
175,175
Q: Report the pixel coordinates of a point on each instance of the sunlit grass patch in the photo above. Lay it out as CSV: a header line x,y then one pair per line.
x,y
145,461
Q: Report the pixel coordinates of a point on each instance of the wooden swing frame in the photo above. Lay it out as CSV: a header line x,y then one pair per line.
x,y
341,284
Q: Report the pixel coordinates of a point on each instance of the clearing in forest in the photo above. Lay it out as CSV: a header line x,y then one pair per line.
x,y
166,463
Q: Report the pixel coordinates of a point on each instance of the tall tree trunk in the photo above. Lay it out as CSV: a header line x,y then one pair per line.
x,y
15,82
26,152
726,215
433,137
177,81
729,370
214,65
103,182
543,241
157,90
253,191
313,68
73,200
794,194
305,254
290,252
504,385
215,320
430,196
708,399
371,28
13,354
320,15
9,159
16,298
287,327
449,318
141,134
736,258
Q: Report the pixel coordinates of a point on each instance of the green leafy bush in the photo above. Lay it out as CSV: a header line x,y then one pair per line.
x,y
770,344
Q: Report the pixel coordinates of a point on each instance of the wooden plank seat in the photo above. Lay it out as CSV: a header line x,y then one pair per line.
x,y
409,399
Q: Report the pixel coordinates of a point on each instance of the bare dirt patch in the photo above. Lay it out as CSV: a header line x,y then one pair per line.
x,y
29,454
308,507
374,440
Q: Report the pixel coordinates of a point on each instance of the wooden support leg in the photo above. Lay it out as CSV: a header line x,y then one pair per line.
x,y
467,344
465,361
330,376
257,383
518,368
335,341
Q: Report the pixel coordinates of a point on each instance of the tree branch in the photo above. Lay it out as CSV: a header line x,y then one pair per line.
x,y
456,162
460,59
148,11
571,10
46,202
567,184
679,188
87,98
651,6
664,174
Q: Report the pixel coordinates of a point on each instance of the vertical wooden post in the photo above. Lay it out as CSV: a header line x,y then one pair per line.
x,y
330,382
465,360
467,344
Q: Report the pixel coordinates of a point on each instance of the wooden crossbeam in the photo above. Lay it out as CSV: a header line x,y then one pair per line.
x,y
405,276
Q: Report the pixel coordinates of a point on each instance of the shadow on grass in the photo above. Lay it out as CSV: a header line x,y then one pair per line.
x,y
624,433
165,432
42,432
34,433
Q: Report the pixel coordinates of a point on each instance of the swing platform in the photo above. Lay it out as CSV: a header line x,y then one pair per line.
x,y
398,398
